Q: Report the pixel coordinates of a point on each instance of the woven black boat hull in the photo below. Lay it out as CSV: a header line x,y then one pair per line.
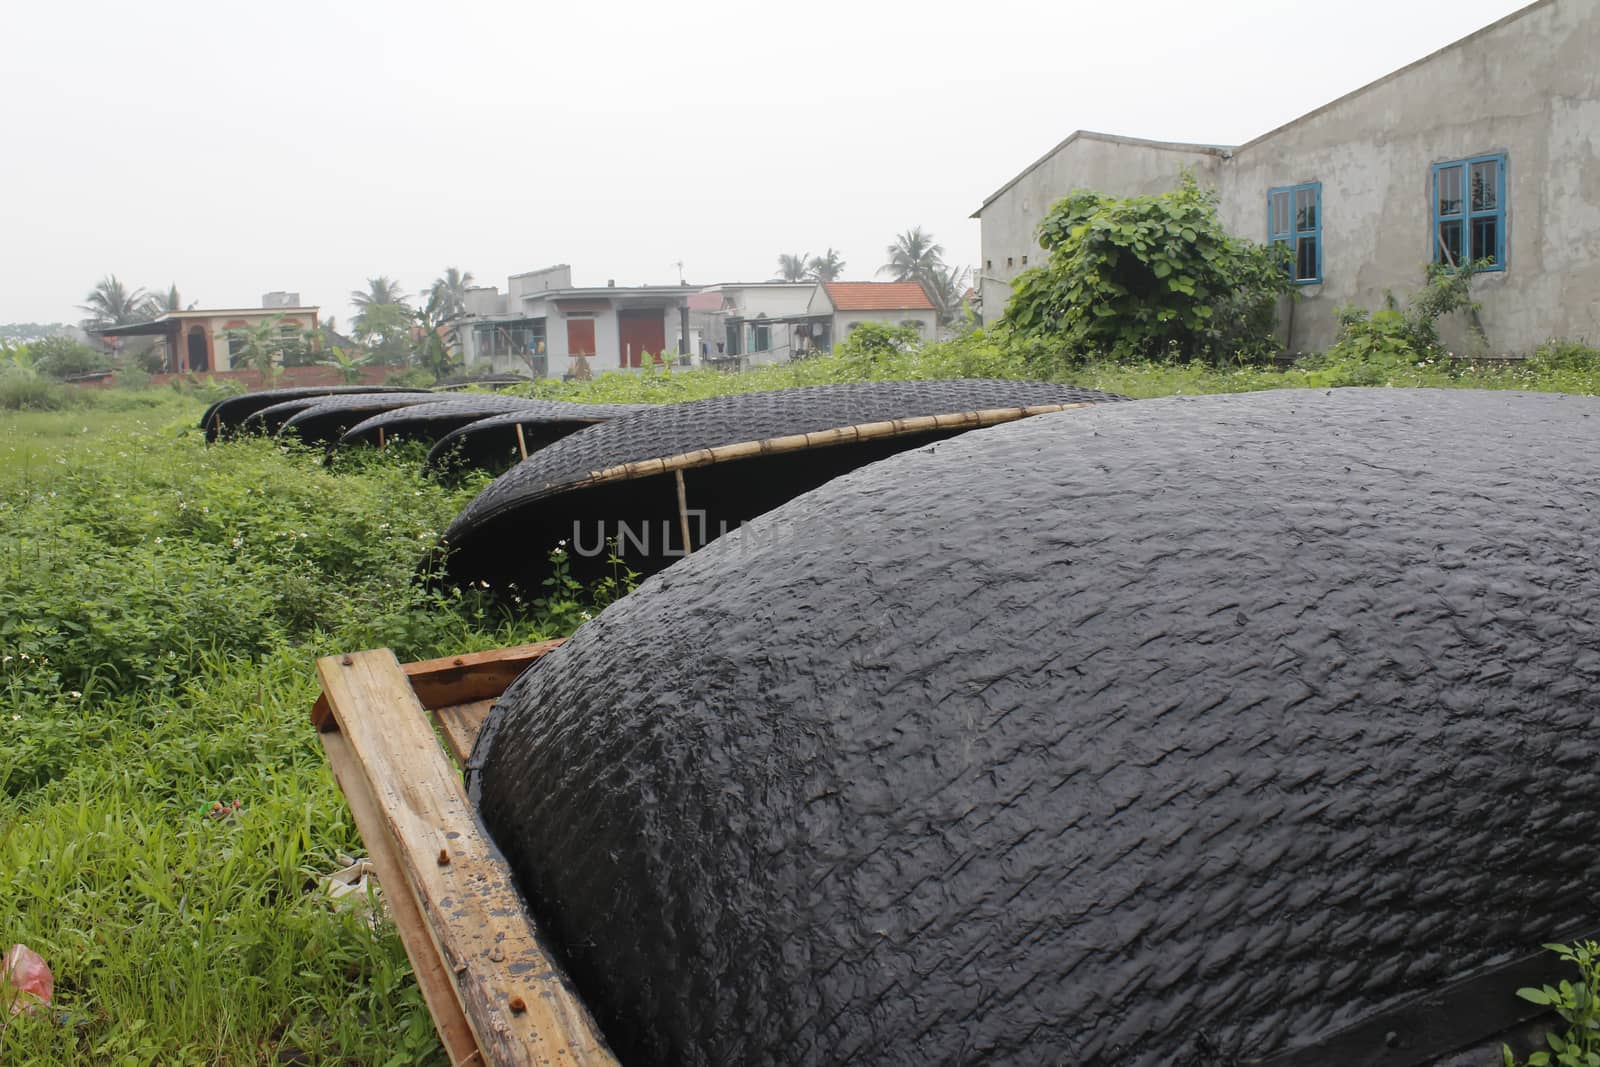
x,y
493,443
504,536
226,416
324,422
1179,732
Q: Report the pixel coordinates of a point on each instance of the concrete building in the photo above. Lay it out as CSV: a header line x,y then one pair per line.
x,y
199,340
1486,149
758,322
836,308
542,322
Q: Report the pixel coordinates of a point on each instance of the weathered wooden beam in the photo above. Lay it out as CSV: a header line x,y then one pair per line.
x,y
516,1002
455,1033
460,679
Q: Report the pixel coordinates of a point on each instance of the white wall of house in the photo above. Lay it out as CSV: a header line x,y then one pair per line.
x,y
485,300
927,321
1526,87
771,300
521,286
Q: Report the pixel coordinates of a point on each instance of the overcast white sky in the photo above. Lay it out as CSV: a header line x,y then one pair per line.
x,y
239,148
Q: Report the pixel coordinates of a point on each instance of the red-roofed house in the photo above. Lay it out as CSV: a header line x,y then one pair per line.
x,y
842,306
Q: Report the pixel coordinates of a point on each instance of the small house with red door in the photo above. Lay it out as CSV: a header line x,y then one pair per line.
x,y
543,323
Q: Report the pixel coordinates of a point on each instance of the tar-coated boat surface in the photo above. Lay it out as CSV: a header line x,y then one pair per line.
x,y
1177,732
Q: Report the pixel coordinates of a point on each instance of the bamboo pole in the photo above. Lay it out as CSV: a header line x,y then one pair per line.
x,y
522,442
683,511
839,435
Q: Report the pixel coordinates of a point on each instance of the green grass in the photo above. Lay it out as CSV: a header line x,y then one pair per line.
x,y
981,356
161,605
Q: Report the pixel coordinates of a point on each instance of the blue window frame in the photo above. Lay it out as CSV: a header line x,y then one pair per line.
x,y
1294,220
1469,212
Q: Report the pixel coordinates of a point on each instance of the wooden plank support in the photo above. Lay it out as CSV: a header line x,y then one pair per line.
x,y
515,1000
455,1033
474,675
461,724
440,683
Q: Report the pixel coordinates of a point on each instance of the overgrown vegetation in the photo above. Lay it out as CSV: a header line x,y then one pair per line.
x,y
1147,277
160,607
1399,334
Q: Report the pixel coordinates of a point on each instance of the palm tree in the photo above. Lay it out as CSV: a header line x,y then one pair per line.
x,y
947,288
826,267
260,347
381,292
110,303
792,268
432,338
451,287
913,257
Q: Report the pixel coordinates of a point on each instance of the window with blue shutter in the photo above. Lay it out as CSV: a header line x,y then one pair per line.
x,y
1469,212
1294,220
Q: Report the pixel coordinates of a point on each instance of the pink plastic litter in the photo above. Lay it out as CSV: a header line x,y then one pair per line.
x,y
25,980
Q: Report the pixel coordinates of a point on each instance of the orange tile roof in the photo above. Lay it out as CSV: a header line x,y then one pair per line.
x,y
877,296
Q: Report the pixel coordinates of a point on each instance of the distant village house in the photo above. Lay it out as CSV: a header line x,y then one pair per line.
x,y
545,326
198,340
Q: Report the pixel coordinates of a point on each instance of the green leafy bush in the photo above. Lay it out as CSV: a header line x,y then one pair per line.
x,y
132,376
412,378
1395,335
1147,277
22,393
1559,355
1578,1004
62,357
870,347
151,359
